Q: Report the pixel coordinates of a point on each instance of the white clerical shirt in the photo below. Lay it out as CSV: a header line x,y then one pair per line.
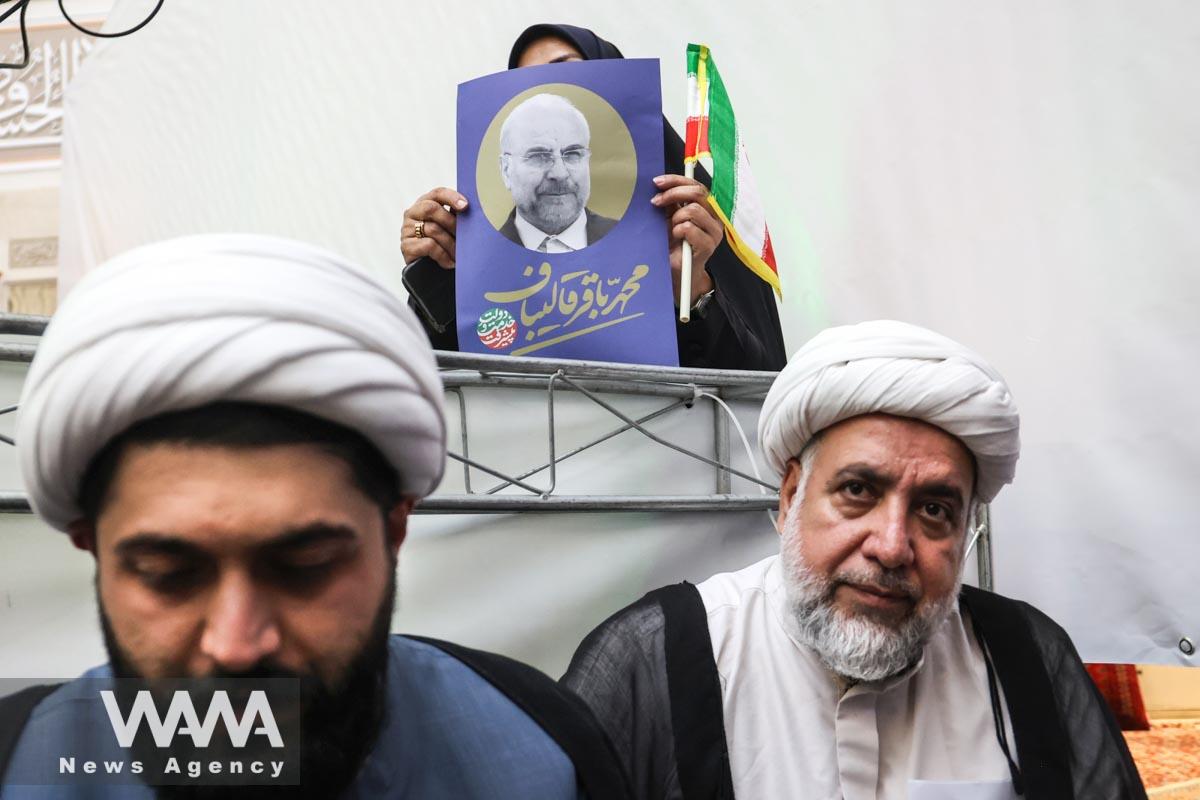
x,y
792,733
573,238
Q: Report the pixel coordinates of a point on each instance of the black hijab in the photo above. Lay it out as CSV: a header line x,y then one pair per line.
x,y
586,42
592,47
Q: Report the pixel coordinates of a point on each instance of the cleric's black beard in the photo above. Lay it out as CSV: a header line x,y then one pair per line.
x,y
339,725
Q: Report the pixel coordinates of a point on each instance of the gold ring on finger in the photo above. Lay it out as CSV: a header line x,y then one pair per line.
x,y
419,229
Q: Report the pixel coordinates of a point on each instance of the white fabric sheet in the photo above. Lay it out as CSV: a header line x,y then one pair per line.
x,y
1020,177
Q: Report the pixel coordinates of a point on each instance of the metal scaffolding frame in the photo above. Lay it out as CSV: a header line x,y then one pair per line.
x,y
680,386
460,371
592,379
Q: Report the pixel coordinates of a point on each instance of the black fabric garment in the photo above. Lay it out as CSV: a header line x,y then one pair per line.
x,y
559,713
14,713
740,328
597,226
697,718
1067,742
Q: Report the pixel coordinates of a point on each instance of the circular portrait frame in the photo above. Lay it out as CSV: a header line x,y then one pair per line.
x,y
613,161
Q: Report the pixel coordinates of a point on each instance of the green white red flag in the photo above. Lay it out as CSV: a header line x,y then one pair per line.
x,y
712,132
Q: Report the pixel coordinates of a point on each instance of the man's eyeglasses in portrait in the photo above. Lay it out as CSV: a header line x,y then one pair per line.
x,y
544,159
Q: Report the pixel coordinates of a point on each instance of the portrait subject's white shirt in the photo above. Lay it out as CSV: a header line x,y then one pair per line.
x,y
573,238
792,733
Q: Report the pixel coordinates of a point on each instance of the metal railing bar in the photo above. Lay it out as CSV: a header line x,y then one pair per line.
x,y
490,504
485,365
721,448
552,443
18,503
987,578
23,324
459,378
462,416
18,353
742,392
14,503
506,365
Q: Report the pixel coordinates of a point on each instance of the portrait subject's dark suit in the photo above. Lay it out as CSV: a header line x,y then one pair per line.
x,y
597,226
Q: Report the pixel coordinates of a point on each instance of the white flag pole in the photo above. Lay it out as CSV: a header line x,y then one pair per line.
x,y
685,271
697,107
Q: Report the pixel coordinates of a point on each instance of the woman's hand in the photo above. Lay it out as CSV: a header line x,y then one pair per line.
x,y
689,219
429,226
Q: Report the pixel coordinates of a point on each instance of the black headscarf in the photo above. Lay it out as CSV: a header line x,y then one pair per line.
x,y
592,47
589,44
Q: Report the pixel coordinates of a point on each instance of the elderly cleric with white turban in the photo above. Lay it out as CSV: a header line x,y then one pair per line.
x,y
237,428
855,663
888,367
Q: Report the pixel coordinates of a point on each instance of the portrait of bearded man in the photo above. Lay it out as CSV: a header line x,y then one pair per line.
x,y
545,162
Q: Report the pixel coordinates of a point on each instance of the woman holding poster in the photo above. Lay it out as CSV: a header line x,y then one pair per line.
x,y
734,322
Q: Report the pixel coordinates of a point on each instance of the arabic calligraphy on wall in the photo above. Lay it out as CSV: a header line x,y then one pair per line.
x,y
575,303
31,99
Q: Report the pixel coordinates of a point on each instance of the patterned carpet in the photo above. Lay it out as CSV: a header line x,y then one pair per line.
x,y
1168,758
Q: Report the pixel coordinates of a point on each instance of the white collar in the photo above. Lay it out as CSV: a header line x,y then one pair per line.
x,y
573,238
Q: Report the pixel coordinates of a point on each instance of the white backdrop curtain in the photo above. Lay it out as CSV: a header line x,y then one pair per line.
x,y
1021,176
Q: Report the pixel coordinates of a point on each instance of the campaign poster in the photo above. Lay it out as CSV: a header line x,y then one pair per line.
x,y
560,253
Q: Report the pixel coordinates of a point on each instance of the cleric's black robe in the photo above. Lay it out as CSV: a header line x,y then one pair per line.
x,y
740,328
649,675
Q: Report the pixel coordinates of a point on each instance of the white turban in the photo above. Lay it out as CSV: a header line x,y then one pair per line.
x,y
226,318
889,367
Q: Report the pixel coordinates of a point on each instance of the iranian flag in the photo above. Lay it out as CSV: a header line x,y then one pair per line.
x,y
712,132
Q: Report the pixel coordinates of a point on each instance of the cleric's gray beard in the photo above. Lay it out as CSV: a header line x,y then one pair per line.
x,y
856,647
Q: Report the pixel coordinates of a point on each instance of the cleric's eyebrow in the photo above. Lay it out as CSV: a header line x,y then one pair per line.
x,y
942,491
862,472
150,542
315,533
155,543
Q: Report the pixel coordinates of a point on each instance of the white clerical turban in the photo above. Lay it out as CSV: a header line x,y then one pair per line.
x,y
895,368
226,318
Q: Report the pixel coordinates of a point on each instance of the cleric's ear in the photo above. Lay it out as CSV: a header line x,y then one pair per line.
x,y
787,491
396,524
83,535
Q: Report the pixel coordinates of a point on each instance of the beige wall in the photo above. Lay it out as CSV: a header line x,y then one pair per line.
x,y
31,124
1170,692
28,250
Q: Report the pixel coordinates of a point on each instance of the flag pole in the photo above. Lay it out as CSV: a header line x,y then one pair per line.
x,y
685,270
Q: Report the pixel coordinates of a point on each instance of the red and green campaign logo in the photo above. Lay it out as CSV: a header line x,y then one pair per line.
x,y
496,328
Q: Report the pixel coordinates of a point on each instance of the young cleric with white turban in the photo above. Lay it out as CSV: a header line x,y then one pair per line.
x,y
855,664
237,428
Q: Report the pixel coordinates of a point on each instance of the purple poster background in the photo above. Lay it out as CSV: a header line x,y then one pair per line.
x,y
609,301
